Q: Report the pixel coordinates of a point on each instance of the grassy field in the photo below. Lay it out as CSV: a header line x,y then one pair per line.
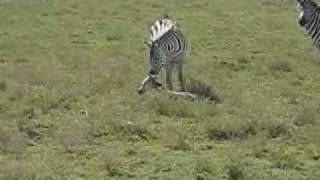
x,y
69,109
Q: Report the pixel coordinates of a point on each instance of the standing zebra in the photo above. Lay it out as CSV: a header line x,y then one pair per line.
x,y
167,47
309,17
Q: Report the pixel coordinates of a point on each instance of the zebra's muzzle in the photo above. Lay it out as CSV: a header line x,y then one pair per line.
x,y
141,91
302,22
148,84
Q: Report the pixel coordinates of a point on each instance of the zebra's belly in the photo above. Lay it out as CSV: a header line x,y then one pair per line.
x,y
175,58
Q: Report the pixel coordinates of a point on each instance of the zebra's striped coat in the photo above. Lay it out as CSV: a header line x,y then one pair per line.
x,y
167,46
309,17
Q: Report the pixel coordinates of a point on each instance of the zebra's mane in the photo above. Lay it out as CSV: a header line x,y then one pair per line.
x,y
160,28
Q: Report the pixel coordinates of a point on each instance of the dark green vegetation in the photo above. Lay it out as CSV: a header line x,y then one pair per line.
x,y
69,70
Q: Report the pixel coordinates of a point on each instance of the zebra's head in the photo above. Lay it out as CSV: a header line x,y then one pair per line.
x,y
149,83
306,10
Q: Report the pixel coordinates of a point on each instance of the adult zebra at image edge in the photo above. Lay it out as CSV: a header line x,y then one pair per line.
x,y
309,17
167,47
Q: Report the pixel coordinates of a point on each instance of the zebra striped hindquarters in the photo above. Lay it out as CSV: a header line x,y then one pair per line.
x,y
309,17
167,46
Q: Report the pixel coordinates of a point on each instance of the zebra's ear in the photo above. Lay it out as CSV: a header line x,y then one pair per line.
x,y
148,44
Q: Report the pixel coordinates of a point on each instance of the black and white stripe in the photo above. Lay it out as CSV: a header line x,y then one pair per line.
x,y
167,47
309,17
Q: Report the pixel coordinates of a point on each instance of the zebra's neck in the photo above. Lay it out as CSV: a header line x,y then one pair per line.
x,y
313,28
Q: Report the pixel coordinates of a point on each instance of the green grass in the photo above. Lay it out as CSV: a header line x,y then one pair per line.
x,y
69,107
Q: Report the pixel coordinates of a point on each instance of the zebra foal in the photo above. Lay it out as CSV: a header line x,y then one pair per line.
x,y
167,47
309,17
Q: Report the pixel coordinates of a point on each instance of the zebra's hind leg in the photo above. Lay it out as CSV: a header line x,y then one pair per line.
x,y
180,77
168,70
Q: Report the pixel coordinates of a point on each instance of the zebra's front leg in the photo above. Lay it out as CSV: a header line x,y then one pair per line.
x,y
180,77
168,69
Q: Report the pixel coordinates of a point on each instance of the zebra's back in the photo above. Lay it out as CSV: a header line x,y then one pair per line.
x,y
168,37
173,44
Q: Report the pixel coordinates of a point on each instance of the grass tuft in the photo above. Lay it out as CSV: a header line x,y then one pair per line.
x,y
202,89
15,170
285,161
74,138
164,106
224,132
278,130
280,66
203,169
35,129
3,85
235,172
131,130
12,142
111,162
177,140
307,114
